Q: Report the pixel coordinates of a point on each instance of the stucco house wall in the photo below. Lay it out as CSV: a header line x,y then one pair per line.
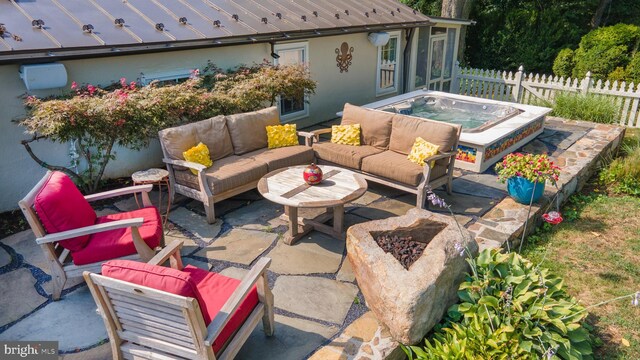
x,y
20,173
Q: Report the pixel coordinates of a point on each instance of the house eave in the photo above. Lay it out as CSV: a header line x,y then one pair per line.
x,y
55,54
451,21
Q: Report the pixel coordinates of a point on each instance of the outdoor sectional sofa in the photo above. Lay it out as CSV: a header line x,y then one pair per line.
x,y
238,147
386,140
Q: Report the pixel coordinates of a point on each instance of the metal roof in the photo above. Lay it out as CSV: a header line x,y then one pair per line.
x,y
34,29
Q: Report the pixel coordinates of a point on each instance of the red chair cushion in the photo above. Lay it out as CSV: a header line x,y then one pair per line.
x,y
213,291
117,243
61,207
153,276
210,289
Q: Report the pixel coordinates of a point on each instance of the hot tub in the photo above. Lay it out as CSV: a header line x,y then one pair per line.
x,y
490,129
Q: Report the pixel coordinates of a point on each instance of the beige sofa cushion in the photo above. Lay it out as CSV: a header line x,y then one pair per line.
x,y
248,130
396,166
375,125
214,133
344,155
211,132
283,157
405,130
177,140
226,174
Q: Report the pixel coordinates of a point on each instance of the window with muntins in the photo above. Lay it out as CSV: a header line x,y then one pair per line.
x,y
388,60
293,53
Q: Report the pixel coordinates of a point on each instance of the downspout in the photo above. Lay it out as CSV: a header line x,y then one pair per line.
x,y
406,60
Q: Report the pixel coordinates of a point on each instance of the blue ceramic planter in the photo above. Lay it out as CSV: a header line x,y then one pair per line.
x,y
520,189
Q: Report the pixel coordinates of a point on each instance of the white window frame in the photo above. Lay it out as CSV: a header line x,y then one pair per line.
x,y
304,46
394,89
170,75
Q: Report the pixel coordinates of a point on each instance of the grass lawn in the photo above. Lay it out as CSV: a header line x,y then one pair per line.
x,y
597,252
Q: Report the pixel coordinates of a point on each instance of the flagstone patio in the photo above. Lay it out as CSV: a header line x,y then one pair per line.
x,y
320,312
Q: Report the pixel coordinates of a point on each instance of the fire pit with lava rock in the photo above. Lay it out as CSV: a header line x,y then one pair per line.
x,y
409,268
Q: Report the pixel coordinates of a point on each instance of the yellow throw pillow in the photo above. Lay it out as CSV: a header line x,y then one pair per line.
x,y
281,136
421,150
346,134
198,154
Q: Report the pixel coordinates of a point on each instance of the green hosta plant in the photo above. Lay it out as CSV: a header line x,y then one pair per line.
x,y
509,309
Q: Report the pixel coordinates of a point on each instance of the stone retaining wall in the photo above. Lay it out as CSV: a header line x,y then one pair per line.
x,y
506,221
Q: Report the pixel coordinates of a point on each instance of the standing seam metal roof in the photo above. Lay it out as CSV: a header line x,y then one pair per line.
x,y
55,25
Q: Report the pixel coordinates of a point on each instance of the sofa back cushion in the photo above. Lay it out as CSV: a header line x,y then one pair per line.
x,y
177,140
212,132
375,125
60,207
405,130
249,130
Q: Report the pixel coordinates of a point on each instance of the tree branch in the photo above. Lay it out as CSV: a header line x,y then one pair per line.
x,y
106,156
45,165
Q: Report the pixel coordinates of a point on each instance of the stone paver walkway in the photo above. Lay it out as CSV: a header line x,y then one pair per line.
x,y
320,312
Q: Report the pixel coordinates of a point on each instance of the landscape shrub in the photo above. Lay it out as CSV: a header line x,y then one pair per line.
x,y
525,32
129,115
595,108
564,63
602,52
623,174
509,309
632,71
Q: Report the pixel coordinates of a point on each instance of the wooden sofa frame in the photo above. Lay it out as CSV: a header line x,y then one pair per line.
x,y
146,323
204,193
58,258
425,184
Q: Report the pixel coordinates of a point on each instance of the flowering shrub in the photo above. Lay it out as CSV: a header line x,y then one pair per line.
x,y
129,115
509,309
535,168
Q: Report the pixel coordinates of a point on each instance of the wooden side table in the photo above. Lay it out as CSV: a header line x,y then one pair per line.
x,y
158,177
287,187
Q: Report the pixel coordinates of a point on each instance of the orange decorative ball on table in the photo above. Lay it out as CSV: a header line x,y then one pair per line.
x,y
312,174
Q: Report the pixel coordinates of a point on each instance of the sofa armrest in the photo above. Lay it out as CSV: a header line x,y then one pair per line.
x,y
187,164
439,156
317,133
308,137
202,179
426,170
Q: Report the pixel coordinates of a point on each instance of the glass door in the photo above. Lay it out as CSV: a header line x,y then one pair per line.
x,y
436,50
441,54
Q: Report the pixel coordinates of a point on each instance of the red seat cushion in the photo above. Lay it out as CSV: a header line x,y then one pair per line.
x,y
60,207
213,291
153,276
117,243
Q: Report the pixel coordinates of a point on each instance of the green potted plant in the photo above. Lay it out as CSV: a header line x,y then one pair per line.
x,y
526,175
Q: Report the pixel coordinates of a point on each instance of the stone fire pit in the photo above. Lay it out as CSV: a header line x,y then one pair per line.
x,y
410,301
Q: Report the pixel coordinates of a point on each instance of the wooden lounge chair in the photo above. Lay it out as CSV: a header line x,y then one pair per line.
x,y
74,239
144,322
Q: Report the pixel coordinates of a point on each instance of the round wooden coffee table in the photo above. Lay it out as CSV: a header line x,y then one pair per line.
x,y
287,187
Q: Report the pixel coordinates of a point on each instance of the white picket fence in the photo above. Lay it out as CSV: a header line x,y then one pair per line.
x,y
535,89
